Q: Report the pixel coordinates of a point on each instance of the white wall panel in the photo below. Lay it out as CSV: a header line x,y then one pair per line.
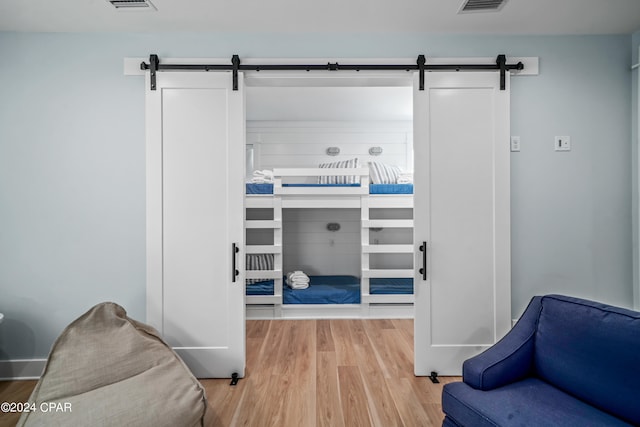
x,y
310,247
304,144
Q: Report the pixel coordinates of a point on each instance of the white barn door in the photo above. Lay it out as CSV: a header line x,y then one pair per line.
x,y
195,172
462,212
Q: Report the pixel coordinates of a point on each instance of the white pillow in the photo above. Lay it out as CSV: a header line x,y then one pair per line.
x,y
337,179
382,173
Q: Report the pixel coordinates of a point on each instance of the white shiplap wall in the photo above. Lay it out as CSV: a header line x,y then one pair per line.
x,y
310,247
304,144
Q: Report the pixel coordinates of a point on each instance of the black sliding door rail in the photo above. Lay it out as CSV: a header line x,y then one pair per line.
x,y
235,66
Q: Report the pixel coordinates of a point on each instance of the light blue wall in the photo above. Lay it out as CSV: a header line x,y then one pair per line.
x,y
72,183
635,112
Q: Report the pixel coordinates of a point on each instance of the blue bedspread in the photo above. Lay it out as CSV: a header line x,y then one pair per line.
x,y
260,288
325,290
385,286
391,189
373,188
259,188
334,289
321,290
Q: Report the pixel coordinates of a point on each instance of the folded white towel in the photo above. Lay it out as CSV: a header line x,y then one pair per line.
x,y
297,280
298,275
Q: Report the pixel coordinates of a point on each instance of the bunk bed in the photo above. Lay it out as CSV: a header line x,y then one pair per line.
x,y
376,293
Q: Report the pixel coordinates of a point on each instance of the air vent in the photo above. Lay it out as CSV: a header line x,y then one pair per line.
x,y
132,4
470,6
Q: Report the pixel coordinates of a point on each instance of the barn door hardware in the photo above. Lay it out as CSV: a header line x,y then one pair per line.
x,y
235,62
234,270
423,270
434,377
234,379
501,62
421,63
153,64
421,66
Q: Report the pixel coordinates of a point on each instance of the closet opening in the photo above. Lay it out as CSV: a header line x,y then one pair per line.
x,y
329,196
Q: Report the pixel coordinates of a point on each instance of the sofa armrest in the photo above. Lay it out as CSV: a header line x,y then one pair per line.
x,y
510,359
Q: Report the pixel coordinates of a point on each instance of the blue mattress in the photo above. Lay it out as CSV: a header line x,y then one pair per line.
x,y
321,290
391,189
373,188
260,288
385,286
259,188
334,289
325,290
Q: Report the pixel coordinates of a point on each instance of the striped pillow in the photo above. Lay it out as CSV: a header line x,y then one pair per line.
x,y
337,179
382,173
258,262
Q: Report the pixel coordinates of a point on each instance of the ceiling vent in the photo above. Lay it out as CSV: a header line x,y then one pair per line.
x,y
132,4
470,6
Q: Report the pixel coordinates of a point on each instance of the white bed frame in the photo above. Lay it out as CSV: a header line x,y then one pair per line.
x,y
371,306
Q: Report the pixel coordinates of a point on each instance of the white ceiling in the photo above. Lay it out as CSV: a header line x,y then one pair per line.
x,y
433,16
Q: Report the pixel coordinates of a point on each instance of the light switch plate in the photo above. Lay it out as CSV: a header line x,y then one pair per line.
x,y
562,143
515,143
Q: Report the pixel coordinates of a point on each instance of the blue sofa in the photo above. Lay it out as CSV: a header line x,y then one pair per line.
x,y
567,362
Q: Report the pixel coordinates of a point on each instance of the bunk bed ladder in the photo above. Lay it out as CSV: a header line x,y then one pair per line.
x,y
275,203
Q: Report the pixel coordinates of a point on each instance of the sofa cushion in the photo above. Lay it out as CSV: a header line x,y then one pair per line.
x,y
530,402
106,369
591,350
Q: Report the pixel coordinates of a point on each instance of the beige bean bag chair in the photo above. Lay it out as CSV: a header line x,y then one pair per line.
x,y
109,370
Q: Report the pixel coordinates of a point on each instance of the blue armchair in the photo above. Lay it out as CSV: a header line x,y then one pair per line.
x,y
567,362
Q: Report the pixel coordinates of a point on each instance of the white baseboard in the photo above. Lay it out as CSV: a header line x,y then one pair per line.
x,y
21,369
330,311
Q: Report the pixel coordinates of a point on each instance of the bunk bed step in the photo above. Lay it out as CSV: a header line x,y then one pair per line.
x,y
387,223
264,299
263,249
262,224
387,249
320,191
388,273
377,201
259,201
263,274
389,299
322,202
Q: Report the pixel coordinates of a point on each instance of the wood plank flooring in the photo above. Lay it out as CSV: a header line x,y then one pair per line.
x,y
329,373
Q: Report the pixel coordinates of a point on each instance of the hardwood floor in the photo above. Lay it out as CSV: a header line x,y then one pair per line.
x,y
14,391
327,373
315,373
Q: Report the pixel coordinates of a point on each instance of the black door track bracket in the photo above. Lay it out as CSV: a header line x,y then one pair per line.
x,y
234,379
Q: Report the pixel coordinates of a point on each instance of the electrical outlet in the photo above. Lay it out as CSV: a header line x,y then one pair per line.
x,y
562,143
515,143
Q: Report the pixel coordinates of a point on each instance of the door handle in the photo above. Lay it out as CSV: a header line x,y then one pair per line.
x,y
423,270
234,270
